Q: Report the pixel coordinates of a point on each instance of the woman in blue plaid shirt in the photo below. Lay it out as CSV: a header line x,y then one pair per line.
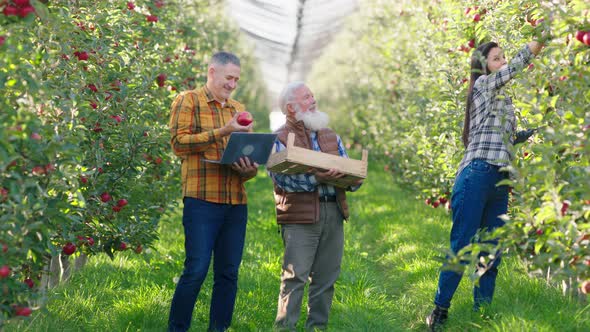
x,y
488,135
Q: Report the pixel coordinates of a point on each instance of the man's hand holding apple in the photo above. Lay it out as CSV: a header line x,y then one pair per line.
x,y
237,123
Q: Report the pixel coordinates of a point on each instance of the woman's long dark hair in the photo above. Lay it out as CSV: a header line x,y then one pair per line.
x,y
478,61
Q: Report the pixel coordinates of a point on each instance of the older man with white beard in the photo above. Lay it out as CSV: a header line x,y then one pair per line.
x,y
310,213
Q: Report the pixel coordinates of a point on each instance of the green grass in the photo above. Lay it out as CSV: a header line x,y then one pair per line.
x,y
387,283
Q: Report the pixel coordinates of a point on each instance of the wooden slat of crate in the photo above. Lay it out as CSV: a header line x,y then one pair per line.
x,y
295,160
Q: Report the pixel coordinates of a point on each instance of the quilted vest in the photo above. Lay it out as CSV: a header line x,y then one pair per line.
x,y
304,207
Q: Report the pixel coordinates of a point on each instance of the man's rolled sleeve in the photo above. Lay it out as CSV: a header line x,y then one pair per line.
x,y
184,119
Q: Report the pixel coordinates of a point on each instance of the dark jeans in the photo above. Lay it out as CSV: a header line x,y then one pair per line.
x,y
476,204
209,228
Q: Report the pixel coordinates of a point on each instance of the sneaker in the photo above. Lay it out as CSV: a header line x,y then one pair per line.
x,y
436,318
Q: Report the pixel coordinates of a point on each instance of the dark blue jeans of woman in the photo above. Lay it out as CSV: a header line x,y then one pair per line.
x,y
476,203
209,228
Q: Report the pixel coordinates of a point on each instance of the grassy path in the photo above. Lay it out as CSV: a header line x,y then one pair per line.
x,y
387,282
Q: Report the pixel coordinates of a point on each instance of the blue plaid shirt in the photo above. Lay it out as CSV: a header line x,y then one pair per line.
x,y
306,182
492,121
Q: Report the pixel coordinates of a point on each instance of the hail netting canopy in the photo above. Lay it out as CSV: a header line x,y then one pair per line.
x,y
288,36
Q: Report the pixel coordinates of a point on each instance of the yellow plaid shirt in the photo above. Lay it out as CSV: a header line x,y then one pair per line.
x,y
195,122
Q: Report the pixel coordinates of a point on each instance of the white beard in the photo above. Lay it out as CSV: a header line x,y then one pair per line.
x,y
313,121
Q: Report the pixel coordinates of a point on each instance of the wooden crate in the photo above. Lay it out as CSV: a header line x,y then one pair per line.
x,y
295,160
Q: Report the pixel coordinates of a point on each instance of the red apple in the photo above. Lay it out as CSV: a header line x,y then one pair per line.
x,y
21,3
35,136
476,18
2,40
471,43
68,249
130,5
122,246
49,168
24,11
158,161
244,118
3,194
152,18
539,232
92,87
435,204
82,56
10,10
138,249
23,311
580,36
105,197
565,205
83,179
586,39
29,282
122,202
117,208
585,287
442,200
38,170
4,271
161,80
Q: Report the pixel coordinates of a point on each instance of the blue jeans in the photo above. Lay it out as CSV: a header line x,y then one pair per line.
x,y
209,228
476,204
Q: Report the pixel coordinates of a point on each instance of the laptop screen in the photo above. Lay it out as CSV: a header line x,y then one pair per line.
x,y
256,146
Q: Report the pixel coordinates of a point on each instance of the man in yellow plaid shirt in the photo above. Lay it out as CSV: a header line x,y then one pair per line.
x,y
215,210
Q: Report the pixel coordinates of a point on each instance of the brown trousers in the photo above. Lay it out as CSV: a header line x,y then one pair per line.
x,y
313,252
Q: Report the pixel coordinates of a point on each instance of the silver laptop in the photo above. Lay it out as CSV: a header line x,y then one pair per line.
x,y
256,146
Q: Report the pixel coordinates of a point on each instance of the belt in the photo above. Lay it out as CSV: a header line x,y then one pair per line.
x,y
327,198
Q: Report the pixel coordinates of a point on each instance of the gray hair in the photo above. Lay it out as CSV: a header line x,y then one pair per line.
x,y
286,95
223,58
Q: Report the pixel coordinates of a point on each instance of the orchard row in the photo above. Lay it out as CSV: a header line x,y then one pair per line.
x,y
84,147
407,70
